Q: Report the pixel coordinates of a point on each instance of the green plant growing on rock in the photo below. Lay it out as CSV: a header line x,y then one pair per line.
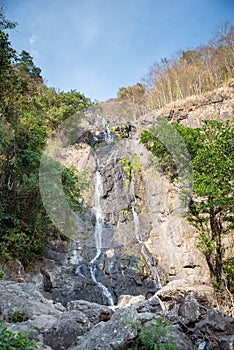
x,y
126,166
125,211
155,335
18,316
125,162
15,341
1,274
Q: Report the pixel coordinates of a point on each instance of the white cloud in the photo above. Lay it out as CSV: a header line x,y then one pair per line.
x,y
32,40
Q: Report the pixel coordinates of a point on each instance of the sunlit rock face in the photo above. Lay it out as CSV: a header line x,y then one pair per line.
x,y
143,240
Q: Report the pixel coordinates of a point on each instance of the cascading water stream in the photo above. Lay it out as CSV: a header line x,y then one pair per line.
x,y
153,269
98,231
106,155
109,138
99,223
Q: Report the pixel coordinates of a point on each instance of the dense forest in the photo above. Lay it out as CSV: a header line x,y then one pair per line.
x,y
30,111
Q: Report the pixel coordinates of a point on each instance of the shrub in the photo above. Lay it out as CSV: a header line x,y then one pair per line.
x,y
12,341
155,335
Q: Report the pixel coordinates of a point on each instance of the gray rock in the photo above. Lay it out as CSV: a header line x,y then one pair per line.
x,y
121,331
226,342
189,310
66,330
182,341
122,328
217,321
152,305
127,300
95,312
24,298
79,318
114,334
177,291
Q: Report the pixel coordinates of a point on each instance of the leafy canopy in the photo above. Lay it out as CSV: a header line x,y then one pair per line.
x,y
29,112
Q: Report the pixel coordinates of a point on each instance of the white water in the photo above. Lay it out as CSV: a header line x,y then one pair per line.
x,y
153,269
98,232
109,138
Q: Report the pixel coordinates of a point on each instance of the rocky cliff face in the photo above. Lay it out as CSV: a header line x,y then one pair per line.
x,y
144,241
217,104
143,230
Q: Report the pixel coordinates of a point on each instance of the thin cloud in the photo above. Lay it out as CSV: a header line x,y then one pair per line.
x,y
89,31
32,40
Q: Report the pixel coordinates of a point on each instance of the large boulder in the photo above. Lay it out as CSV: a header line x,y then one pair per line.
x,y
189,310
79,318
122,330
25,301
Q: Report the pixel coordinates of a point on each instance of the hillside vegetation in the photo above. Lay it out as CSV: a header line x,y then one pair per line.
x,y
190,72
29,111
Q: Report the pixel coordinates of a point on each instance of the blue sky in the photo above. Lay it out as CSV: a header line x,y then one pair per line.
x,y
97,46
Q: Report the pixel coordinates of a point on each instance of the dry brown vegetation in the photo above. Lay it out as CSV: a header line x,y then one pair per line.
x,y
191,72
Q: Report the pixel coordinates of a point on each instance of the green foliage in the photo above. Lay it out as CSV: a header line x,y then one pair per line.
x,y
211,148
125,211
155,335
167,144
6,51
18,316
135,164
12,341
25,65
228,268
128,167
29,112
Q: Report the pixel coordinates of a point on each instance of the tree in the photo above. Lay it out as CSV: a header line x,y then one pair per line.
x,y
25,65
29,111
7,53
212,205
133,93
192,72
211,148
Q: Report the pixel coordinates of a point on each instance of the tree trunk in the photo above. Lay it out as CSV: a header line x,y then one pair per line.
x,y
216,231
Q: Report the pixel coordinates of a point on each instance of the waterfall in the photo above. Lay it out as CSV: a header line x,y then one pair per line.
x,y
153,269
99,223
98,191
109,138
